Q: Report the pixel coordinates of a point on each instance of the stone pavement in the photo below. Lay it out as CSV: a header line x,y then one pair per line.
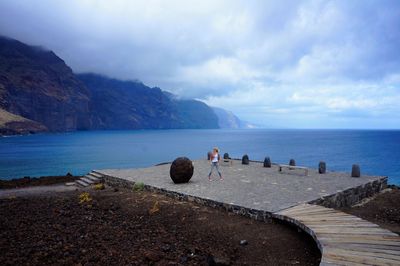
x,y
250,186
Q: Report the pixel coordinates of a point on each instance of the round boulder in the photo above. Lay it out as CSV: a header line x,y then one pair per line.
x,y
245,159
267,162
226,155
181,170
292,162
322,167
355,171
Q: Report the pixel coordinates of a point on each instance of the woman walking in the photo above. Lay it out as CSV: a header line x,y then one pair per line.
x,y
214,163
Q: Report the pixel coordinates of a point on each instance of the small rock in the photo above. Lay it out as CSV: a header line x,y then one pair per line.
x,y
152,256
267,162
243,242
355,171
221,261
166,247
292,162
245,159
184,259
322,167
217,261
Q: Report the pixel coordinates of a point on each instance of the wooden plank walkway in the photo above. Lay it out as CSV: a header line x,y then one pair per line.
x,y
343,238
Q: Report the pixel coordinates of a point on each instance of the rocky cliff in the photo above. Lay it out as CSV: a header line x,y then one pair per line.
x,y
42,92
117,104
37,85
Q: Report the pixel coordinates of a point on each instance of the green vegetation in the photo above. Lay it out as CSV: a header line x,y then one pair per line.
x,y
138,186
99,186
84,197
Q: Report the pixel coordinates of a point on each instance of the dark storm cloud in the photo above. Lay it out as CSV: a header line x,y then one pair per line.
x,y
283,57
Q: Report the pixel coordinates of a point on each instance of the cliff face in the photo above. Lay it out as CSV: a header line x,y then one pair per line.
x,y
117,104
38,85
39,92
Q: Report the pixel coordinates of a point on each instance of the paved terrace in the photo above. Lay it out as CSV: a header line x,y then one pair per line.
x,y
250,186
261,192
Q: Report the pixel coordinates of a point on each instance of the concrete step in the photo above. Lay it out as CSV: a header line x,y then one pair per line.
x,y
93,178
93,173
81,183
87,180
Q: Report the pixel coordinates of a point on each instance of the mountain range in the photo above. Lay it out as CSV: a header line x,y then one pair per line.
x,y
39,92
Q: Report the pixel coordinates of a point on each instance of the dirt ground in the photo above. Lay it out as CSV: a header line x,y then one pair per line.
x,y
383,209
36,181
125,227
140,228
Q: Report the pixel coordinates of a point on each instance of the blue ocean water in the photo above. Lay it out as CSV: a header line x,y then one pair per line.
x,y
377,152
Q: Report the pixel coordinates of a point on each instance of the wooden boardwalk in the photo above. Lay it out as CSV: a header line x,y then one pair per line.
x,y
343,238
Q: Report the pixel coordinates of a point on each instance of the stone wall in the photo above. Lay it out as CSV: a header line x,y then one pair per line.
x,y
352,196
258,215
344,198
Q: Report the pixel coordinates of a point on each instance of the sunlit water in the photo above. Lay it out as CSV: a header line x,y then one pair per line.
x,y
377,152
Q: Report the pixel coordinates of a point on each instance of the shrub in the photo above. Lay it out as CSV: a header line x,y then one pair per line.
x,y
84,197
138,186
99,186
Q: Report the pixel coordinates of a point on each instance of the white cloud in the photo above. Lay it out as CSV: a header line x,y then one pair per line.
x,y
301,62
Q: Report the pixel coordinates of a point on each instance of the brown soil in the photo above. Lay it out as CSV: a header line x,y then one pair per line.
x,y
383,209
36,181
118,228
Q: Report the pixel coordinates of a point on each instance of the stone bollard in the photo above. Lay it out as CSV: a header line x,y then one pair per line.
x,y
322,167
181,170
292,162
245,159
226,156
355,171
209,154
267,162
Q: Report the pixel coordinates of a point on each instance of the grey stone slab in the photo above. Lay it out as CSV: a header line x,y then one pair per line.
x,y
250,186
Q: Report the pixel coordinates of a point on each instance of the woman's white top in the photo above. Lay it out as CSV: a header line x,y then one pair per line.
x,y
215,158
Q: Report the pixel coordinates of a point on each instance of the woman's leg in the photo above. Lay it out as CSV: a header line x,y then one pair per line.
x,y
209,175
219,173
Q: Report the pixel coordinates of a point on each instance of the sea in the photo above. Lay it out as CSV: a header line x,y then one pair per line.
x,y
376,151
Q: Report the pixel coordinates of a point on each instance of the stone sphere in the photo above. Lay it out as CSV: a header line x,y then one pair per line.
x,y
181,170
226,156
245,159
322,167
267,162
292,162
355,171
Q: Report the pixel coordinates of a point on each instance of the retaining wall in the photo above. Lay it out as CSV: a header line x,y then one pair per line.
x,y
352,196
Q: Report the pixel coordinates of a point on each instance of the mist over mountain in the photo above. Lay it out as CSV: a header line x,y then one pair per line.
x,y
228,120
39,92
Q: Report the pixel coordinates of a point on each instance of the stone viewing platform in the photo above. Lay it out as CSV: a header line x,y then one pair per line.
x,y
264,193
254,186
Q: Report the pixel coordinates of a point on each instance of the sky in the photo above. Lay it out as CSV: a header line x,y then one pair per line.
x,y
278,64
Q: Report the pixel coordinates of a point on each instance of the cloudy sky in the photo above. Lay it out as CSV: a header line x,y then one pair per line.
x,y
296,64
